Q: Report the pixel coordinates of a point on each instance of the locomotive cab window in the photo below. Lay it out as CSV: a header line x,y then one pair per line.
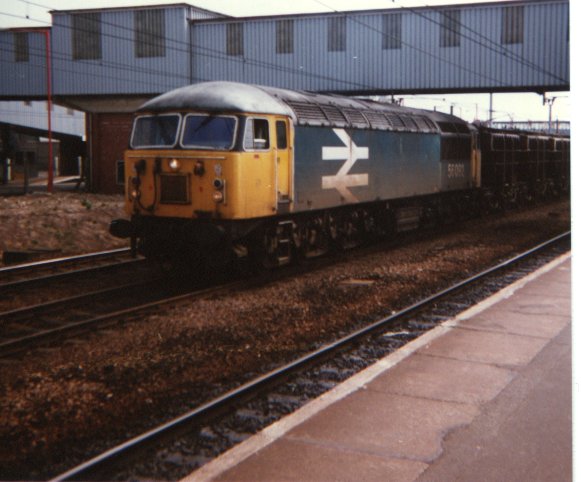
x,y
203,131
256,136
155,131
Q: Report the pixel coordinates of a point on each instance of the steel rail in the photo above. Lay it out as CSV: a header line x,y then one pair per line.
x,y
66,274
60,263
16,345
247,390
63,260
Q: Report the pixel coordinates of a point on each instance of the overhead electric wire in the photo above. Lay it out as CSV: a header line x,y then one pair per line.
x,y
217,54
184,47
188,47
39,61
495,47
263,64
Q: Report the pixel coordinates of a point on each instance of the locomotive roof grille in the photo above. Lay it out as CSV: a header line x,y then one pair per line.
x,y
410,123
454,127
334,115
377,120
305,108
396,121
425,124
356,117
308,113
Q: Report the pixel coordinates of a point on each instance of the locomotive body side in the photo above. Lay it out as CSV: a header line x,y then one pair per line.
x,y
222,166
334,167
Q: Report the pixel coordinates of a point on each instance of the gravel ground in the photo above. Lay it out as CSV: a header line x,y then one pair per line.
x,y
61,223
60,405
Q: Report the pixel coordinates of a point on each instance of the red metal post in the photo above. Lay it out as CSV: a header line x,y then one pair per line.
x,y
49,109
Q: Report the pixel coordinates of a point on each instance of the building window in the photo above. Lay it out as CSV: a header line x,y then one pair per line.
x,y
391,31
450,28
149,33
285,37
235,39
21,51
337,34
513,25
86,32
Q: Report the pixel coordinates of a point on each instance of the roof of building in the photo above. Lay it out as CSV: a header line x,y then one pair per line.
x,y
139,7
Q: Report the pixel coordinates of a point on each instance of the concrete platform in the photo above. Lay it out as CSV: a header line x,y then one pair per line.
x,y
484,397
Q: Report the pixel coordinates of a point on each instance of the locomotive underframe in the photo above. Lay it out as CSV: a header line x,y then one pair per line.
x,y
282,239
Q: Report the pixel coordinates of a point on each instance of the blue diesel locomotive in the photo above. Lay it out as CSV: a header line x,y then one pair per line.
x,y
222,169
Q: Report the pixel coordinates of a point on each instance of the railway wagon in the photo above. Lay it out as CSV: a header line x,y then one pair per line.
x,y
521,166
223,167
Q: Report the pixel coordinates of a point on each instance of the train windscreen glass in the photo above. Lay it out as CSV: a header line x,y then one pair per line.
x,y
209,132
155,131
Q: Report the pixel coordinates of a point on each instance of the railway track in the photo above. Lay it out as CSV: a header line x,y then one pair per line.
x,y
56,321
27,275
220,423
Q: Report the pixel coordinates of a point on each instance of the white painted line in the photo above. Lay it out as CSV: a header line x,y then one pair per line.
x,y
257,442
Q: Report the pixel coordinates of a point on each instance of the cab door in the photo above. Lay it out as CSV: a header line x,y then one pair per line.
x,y
283,164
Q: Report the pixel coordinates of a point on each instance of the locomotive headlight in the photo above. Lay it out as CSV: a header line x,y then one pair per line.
x,y
174,164
135,194
218,196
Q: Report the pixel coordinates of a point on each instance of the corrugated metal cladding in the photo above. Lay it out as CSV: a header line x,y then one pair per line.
x,y
143,50
22,64
505,46
138,50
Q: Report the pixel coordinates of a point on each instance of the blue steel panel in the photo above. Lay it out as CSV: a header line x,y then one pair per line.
x,y
335,166
480,61
196,51
23,79
119,70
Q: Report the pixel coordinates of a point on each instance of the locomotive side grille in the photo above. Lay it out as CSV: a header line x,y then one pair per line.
x,y
425,124
334,114
342,116
356,118
174,188
396,121
410,123
307,113
377,120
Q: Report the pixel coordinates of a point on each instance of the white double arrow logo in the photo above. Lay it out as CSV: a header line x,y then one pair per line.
x,y
342,181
